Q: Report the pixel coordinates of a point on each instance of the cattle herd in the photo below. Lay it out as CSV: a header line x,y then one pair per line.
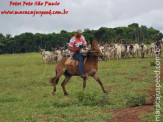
x,y
57,55
112,51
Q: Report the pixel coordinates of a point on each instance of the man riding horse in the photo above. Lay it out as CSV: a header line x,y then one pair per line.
x,y
70,67
76,44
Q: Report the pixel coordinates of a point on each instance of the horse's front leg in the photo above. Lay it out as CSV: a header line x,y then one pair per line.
x,y
99,81
84,83
67,78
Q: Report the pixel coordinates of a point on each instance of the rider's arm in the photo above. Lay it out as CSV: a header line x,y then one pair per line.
x,y
84,42
71,44
71,49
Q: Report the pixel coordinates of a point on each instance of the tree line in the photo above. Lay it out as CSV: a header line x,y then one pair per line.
x,y
29,42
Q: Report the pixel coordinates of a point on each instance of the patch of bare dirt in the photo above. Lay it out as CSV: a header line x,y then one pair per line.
x,y
161,73
140,76
144,67
133,114
113,81
137,78
153,75
43,117
109,88
139,61
120,73
130,114
151,93
113,86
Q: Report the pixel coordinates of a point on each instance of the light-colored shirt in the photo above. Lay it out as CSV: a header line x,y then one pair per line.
x,y
75,43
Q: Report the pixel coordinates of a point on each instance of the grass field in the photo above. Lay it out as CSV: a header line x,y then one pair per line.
x,y
25,92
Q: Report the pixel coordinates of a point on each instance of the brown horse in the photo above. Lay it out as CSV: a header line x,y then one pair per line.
x,y
69,67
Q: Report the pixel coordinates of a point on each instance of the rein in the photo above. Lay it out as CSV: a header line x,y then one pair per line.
x,y
90,53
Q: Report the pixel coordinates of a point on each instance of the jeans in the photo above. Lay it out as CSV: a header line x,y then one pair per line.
x,y
78,57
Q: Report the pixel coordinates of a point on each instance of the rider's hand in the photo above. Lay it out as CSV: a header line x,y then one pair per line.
x,y
77,51
81,46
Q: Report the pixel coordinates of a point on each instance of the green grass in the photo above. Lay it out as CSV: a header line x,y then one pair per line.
x,y
25,92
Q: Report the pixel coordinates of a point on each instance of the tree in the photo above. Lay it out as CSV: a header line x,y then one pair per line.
x,y
29,42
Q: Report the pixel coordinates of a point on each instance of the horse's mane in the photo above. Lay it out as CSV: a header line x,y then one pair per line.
x,y
94,51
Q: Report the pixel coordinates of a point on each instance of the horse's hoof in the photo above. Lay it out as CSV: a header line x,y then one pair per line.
x,y
83,88
106,92
66,94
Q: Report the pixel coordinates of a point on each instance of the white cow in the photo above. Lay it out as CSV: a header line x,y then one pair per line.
x,y
118,51
152,49
46,56
123,48
59,54
143,50
108,53
136,49
127,50
67,53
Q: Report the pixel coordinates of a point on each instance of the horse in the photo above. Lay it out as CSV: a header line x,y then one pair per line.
x,y
69,67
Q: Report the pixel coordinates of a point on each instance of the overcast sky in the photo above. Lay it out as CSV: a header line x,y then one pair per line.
x,y
83,14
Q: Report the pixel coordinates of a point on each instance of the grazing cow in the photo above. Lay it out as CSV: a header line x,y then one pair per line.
x,y
158,49
127,50
58,54
131,50
123,49
118,51
152,49
46,56
108,53
67,53
101,49
136,49
54,58
143,50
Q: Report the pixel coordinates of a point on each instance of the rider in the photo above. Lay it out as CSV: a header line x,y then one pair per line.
x,y
76,44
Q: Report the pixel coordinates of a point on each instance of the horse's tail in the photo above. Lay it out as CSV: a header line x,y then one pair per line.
x,y
55,79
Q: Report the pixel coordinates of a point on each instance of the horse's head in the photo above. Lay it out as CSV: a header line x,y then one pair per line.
x,y
95,51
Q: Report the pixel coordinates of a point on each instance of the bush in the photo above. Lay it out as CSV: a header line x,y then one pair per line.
x,y
87,98
136,100
93,99
153,63
105,100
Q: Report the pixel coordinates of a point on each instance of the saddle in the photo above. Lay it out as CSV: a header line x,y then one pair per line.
x,y
73,62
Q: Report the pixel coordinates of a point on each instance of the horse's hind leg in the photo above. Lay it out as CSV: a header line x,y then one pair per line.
x,y
99,81
84,83
67,78
55,80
